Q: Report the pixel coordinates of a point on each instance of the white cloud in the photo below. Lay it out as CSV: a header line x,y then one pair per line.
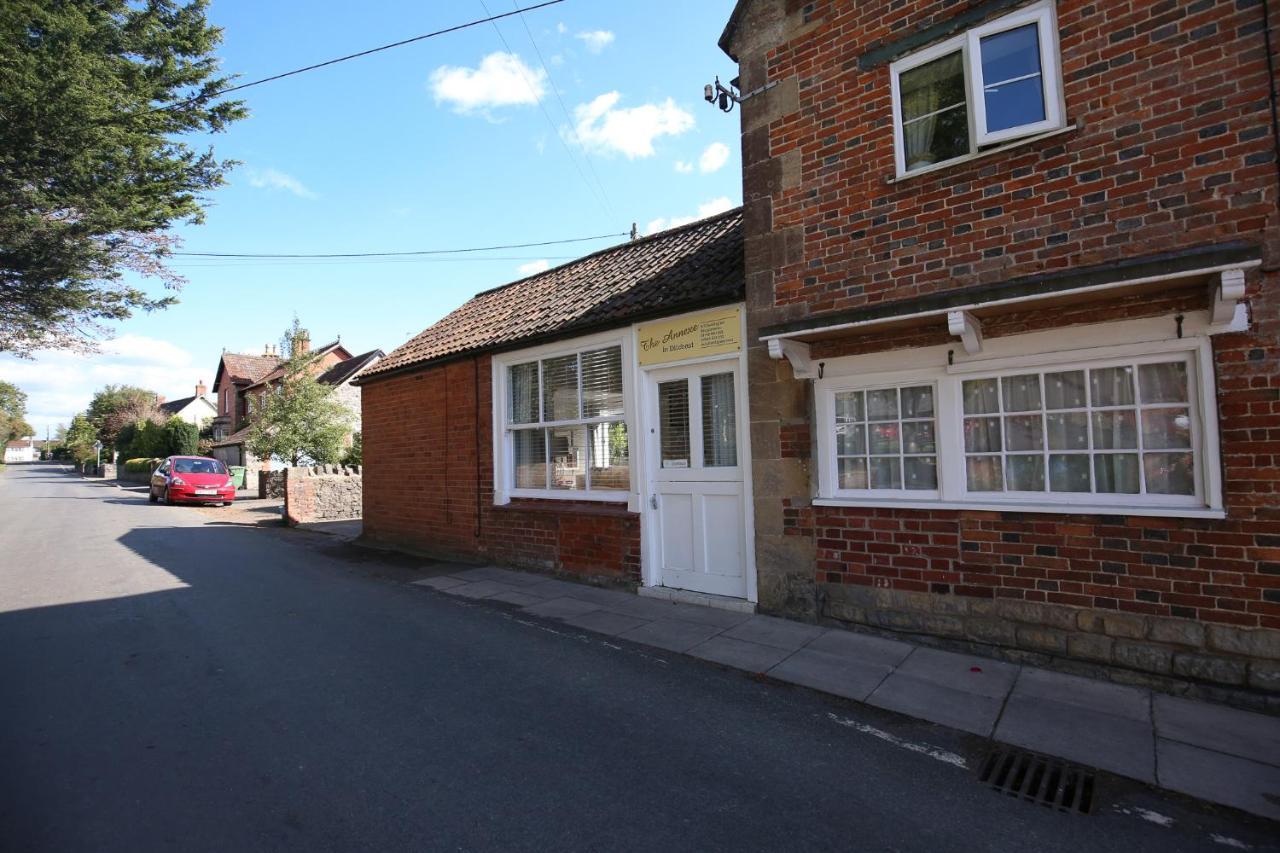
x,y
596,40
630,131
709,208
534,267
684,167
274,179
716,155
502,80
561,28
60,384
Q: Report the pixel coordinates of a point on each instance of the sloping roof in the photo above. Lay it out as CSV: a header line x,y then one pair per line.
x,y
344,370
247,368
281,367
693,266
173,407
237,437
22,442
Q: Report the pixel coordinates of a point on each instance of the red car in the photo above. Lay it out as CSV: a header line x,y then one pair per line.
x,y
192,479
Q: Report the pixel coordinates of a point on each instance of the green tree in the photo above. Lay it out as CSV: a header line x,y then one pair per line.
x,y
180,438
355,453
300,420
13,413
79,439
95,96
115,407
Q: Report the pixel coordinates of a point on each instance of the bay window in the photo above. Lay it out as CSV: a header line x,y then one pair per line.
x,y
994,83
563,426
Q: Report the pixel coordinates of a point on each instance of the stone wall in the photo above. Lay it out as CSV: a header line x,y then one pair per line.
x,y
322,493
271,485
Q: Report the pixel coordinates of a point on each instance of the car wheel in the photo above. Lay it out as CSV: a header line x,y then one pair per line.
x,y
151,496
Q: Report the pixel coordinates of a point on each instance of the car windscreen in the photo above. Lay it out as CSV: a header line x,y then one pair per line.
x,y
198,466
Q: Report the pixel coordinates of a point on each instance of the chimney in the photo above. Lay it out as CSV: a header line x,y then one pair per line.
x,y
201,389
301,343
266,349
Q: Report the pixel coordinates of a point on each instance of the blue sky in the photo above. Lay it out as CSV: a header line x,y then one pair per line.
x,y
435,145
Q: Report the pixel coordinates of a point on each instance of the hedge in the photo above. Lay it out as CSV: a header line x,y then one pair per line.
x,y
142,466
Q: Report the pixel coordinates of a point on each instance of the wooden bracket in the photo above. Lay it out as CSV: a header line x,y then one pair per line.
x,y
967,328
1227,309
795,352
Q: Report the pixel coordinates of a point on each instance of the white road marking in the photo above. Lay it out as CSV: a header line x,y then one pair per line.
x,y
1229,842
1147,815
933,752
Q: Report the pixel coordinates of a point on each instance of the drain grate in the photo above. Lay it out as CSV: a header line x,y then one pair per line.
x,y
1040,779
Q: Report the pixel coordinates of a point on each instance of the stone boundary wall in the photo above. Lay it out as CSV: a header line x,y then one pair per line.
x,y
322,493
270,484
1219,662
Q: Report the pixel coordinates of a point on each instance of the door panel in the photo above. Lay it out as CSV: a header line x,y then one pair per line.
x,y
678,546
722,521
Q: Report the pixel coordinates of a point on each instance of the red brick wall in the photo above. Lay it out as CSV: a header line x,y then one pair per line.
x,y
422,434
1172,149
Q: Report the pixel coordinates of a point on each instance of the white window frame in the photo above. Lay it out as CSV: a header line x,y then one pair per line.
x,y
903,493
1024,354
1044,16
503,464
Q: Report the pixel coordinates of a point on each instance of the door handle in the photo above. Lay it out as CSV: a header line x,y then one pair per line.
x,y
653,501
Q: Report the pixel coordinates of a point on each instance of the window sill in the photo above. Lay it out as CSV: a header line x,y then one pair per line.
x,y
969,158
569,506
1054,509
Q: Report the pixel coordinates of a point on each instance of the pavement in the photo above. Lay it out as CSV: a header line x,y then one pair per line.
x,y
1209,751
170,681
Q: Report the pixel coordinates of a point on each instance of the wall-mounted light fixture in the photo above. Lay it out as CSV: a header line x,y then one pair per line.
x,y
725,98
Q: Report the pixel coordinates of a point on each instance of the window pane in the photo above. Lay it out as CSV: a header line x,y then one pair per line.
x,y
982,435
882,405
1021,393
984,474
560,388
1006,57
884,438
1117,473
849,407
529,457
853,473
1163,383
524,393
1064,390
1115,430
1166,428
851,440
610,457
719,422
1025,473
920,472
917,437
1068,430
980,396
1169,473
602,383
917,402
1111,386
1022,432
886,473
568,458
673,423
1069,472
935,120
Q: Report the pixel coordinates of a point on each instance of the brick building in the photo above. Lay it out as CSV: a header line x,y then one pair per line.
x,y
588,420
1011,275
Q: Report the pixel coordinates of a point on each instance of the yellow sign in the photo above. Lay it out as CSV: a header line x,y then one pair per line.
x,y
695,336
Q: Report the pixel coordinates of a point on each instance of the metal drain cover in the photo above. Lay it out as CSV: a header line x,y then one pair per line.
x,y
1039,779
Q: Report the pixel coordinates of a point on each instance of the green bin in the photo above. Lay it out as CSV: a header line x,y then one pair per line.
x,y
237,475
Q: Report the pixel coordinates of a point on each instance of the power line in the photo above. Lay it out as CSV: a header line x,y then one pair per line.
x,y
349,56
245,263
396,254
600,195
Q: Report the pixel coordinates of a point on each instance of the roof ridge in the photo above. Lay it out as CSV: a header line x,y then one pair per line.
x,y
648,238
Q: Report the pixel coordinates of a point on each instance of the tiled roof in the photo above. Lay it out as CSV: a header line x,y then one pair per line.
x,y
282,367
344,370
172,407
241,367
687,267
237,437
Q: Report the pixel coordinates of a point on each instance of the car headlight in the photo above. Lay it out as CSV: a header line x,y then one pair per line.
x,y
177,481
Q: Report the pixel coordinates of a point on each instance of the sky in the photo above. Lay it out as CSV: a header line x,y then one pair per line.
x,y
453,142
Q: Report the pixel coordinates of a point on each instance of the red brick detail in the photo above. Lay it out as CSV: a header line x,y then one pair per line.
x,y
795,441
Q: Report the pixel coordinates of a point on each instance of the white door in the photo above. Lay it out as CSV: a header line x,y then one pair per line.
x,y
697,499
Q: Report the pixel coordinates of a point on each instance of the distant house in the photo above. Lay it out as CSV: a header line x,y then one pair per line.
x,y
198,409
22,450
243,381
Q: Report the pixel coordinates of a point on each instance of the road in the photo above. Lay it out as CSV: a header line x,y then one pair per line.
x,y
172,682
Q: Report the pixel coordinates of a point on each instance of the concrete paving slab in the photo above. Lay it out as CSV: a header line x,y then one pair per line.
x,y
772,631
722,619
520,598
478,589
605,622
560,608
1118,744
494,573
442,582
552,587
1216,727
600,596
979,676
863,648
1228,779
739,654
926,700
1117,700
837,674
671,635
643,608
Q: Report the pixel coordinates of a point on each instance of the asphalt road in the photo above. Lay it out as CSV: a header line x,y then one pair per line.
x,y
169,682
